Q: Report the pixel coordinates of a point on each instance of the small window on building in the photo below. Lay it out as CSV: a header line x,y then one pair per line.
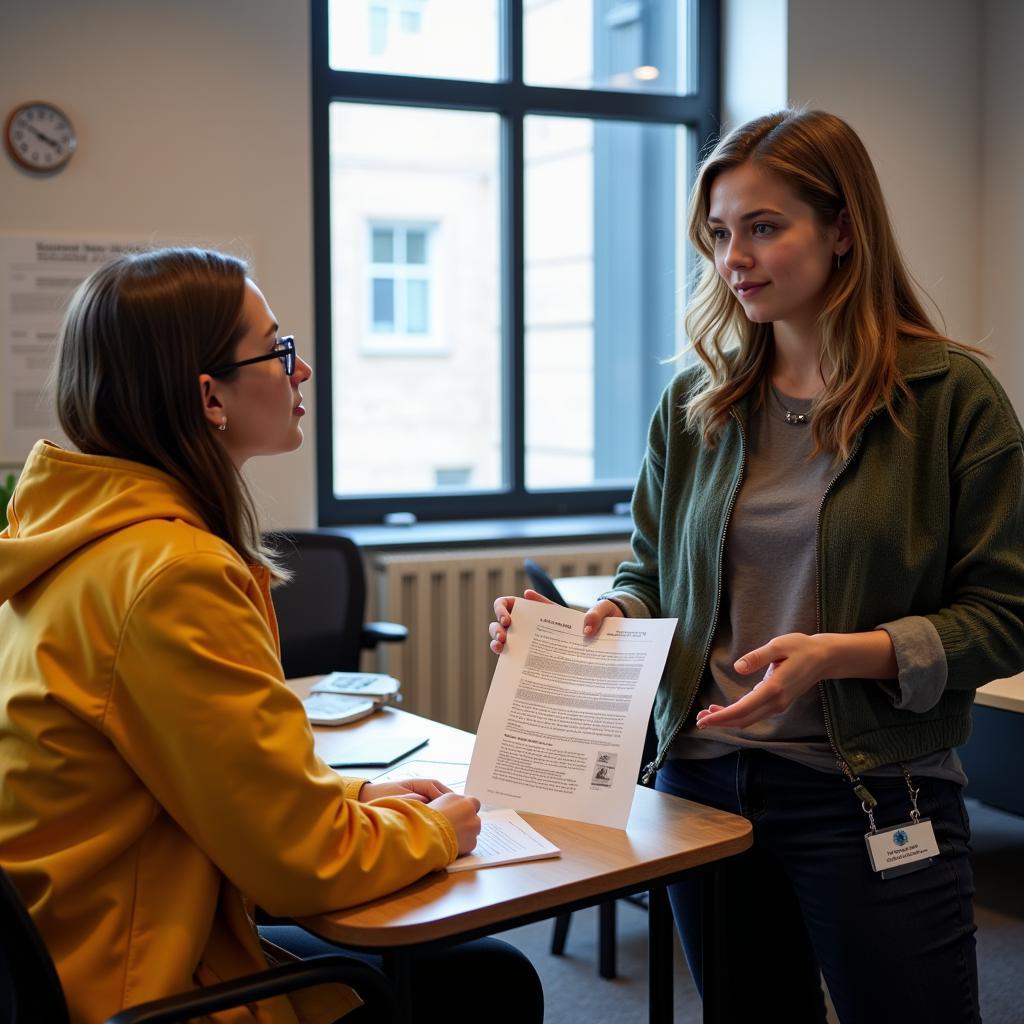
x,y
388,15
401,286
456,476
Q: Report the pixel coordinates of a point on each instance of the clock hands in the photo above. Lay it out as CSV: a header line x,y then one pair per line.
x,y
45,138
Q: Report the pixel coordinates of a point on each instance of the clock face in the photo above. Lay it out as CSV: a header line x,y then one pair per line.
x,y
39,137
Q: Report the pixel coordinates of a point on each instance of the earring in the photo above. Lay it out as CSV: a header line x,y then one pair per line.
x,y
839,261
223,425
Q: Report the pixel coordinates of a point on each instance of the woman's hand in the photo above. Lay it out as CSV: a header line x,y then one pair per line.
x,y
462,813
423,790
793,662
503,617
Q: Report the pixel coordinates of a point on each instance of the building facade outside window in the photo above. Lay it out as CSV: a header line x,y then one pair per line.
x,y
501,263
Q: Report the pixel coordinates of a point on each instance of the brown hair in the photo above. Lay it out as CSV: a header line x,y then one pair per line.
x,y
869,306
136,336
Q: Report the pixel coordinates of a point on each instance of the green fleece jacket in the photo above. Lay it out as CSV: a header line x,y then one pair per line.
x,y
929,524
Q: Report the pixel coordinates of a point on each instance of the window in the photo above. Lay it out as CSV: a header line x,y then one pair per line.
x,y
500,191
387,16
399,285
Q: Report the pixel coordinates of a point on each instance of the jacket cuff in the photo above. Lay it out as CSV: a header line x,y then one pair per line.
x,y
921,660
451,841
352,786
631,605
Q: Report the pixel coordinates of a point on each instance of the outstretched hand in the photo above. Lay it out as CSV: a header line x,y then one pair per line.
x,y
792,664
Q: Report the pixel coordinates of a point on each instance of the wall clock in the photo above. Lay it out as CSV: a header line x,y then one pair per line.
x,y
39,137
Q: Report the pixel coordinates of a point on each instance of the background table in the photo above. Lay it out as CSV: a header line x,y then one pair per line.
x,y
580,591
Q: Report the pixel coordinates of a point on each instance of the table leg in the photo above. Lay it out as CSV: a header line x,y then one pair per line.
x,y
659,925
606,939
398,967
713,955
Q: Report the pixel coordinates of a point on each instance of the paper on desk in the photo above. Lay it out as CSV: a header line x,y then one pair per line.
x,y
504,839
562,731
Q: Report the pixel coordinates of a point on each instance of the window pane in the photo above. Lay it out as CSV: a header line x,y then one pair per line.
x,y
383,245
604,292
416,314
416,247
435,38
633,45
428,396
383,304
410,21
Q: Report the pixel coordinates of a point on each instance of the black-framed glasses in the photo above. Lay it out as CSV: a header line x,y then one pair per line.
x,y
283,350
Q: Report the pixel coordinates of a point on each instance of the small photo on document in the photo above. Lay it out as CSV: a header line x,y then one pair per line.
x,y
604,769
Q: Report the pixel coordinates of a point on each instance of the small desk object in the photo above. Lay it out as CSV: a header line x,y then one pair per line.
x,y
665,837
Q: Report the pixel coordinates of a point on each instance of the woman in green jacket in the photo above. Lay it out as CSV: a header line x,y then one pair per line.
x,y
832,505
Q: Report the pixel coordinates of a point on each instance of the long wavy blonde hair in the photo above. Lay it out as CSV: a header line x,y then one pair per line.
x,y
869,303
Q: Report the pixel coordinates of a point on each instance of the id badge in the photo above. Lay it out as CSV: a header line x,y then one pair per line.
x,y
900,850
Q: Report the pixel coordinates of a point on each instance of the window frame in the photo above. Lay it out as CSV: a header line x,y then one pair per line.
x,y
513,100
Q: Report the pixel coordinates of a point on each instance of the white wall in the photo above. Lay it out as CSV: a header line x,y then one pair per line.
x,y
193,122
1000,229
908,77
194,125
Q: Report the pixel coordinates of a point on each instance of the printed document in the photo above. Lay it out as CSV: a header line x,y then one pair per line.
x,y
504,839
562,731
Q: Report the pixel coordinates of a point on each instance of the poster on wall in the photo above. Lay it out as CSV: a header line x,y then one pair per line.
x,y
38,275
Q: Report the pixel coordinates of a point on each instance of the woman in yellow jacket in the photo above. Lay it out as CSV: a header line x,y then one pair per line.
x,y
157,778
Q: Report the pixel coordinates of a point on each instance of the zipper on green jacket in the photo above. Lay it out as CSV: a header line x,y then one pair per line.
x,y
826,712
654,765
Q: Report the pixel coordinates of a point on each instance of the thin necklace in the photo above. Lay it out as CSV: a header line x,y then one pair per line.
x,y
794,419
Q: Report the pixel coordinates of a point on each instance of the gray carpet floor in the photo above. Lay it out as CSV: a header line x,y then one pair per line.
x,y
574,992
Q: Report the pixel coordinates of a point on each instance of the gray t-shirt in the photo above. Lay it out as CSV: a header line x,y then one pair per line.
x,y
769,588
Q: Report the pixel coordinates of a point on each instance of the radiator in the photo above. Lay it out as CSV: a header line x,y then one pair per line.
x,y
446,600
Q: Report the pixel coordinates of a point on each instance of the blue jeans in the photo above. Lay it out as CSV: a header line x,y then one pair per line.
x,y
804,902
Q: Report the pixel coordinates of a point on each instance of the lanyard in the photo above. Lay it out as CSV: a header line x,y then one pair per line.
x,y
904,848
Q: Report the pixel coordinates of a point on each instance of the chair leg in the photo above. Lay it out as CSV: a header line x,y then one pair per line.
x,y
560,934
606,936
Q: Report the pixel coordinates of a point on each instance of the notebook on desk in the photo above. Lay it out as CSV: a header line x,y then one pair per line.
x,y
367,748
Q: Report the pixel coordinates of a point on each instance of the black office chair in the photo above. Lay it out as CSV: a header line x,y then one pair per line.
x,y
320,611
31,992
542,582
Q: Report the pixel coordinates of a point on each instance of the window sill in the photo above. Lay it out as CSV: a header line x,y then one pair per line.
x,y
490,532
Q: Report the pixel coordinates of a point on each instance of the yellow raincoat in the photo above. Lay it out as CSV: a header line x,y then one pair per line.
x,y
157,778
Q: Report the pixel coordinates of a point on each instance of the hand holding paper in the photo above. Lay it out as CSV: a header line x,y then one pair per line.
x,y
563,728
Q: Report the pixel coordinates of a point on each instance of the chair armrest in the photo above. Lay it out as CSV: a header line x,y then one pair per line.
x,y
317,970
382,633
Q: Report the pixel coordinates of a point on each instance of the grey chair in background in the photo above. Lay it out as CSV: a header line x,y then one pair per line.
x,y
320,611
542,582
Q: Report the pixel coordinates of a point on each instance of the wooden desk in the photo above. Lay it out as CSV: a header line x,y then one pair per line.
x,y
581,591
665,837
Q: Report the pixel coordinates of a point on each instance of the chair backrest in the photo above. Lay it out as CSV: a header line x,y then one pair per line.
x,y
320,611
30,990
542,582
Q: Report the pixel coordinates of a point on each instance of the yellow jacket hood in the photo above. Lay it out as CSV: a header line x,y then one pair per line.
x,y
65,500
